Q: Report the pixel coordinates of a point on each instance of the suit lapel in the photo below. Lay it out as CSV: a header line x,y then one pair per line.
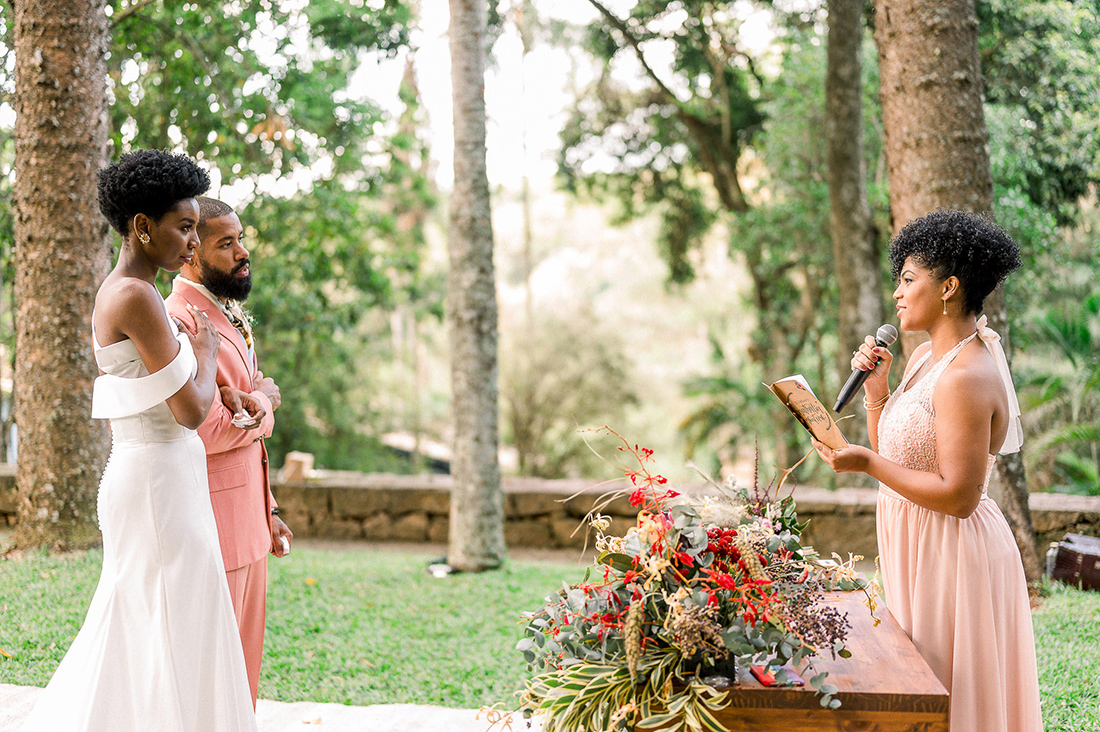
x,y
217,318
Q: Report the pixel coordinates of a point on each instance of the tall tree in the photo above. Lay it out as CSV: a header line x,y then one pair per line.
x,y
262,93
413,198
937,157
855,242
524,16
677,139
789,264
477,505
61,255
1039,60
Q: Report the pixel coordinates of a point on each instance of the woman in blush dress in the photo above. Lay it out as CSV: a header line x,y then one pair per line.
x,y
159,650
951,569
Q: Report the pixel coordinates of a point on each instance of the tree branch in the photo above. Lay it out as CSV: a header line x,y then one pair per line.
x,y
731,50
136,7
718,82
714,148
636,44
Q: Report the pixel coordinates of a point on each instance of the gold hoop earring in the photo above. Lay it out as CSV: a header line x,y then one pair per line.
x,y
945,307
143,237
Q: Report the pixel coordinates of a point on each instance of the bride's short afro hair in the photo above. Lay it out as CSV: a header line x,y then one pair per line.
x,y
149,182
959,244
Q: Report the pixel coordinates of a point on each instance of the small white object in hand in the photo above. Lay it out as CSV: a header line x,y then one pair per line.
x,y
242,418
285,544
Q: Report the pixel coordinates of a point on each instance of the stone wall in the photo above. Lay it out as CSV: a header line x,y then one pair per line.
x,y
375,507
550,513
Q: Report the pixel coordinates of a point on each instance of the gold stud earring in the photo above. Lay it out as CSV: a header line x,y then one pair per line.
x,y
945,307
143,237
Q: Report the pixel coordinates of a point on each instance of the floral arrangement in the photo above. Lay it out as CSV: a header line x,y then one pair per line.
x,y
689,593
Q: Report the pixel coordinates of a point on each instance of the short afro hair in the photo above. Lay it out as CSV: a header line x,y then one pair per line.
x,y
149,182
211,208
959,244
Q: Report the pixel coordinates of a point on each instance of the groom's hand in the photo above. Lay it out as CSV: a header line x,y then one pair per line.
x,y
266,386
247,411
279,530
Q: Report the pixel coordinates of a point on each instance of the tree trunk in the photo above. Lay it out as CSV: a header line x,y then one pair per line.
x,y
936,152
62,253
855,250
477,506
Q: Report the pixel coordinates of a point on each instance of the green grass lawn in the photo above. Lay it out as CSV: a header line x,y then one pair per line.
x,y
373,627
347,626
1067,646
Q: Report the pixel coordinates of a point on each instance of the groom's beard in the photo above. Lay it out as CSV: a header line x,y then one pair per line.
x,y
227,285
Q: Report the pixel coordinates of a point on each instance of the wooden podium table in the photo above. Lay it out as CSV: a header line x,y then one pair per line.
x,y
884,687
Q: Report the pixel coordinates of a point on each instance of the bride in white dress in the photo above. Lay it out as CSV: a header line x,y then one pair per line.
x,y
159,650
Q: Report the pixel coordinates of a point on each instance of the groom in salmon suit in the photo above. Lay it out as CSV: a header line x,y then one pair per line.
x,y
215,282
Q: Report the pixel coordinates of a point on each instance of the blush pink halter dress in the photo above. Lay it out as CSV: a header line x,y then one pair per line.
x,y
957,586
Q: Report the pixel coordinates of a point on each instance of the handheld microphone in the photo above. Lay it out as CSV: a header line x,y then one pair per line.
x,y
885,336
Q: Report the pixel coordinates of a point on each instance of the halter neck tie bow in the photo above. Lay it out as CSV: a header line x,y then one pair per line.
x,y
992,340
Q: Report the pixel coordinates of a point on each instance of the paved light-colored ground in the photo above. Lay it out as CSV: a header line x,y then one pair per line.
x,y
273,716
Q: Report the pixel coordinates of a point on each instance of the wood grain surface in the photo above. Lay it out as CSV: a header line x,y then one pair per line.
x,y
884,687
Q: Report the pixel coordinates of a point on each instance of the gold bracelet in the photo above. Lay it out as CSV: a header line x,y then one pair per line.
x,y
877,404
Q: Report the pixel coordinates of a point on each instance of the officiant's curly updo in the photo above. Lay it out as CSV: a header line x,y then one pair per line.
x,y
959,244
149,182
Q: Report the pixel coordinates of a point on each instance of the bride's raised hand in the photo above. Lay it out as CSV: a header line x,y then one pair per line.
x,y
877,359
206,340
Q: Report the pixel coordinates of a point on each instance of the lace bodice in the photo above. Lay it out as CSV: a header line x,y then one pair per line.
x,y
132,398
907,427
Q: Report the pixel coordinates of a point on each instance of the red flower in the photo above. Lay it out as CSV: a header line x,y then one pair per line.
x,y
630,576
611,619
722,579
685,558
637,498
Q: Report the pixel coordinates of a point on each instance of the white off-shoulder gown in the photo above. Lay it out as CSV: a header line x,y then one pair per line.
x,y
159,650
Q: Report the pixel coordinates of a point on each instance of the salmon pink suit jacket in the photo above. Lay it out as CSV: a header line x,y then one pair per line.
x,y
236,458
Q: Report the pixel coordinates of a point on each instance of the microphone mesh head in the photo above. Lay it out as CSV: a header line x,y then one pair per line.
x,y
887,334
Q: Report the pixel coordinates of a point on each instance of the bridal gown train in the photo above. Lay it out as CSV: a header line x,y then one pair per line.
x,y
159,650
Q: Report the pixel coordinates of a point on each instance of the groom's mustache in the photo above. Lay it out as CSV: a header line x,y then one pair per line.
x,y
240,266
